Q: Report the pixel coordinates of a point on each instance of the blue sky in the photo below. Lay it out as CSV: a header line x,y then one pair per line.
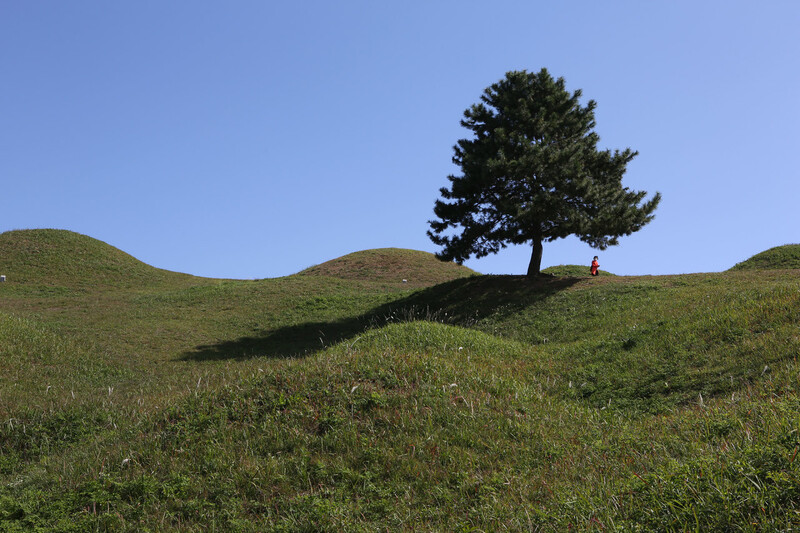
x,y
253,139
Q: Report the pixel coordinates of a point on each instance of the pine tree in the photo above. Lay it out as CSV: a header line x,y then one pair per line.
x,y
532,173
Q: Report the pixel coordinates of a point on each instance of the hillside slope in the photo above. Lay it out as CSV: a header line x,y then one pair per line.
x,y
573,270
391,265
324,402
64,258
779,257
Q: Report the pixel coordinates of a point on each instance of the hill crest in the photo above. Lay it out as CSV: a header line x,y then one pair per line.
x,y
58,257
578,271
776,258
391,265
66,258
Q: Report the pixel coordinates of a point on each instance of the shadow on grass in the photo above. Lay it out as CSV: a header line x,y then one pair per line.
x,y
462,302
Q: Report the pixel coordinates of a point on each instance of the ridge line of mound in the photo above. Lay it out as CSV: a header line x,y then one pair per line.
x,y
57,257
786,256
392,265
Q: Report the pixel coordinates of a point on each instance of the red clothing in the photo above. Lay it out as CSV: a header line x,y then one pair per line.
x,y
595,266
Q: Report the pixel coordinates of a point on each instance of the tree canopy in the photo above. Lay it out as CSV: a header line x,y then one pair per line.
x,y
532,173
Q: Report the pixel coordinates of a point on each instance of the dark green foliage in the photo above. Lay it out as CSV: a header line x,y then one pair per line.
x,y
32,434
750,488
786,256
533,174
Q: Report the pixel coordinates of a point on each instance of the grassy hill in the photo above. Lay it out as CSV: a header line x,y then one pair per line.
x,y
339,400
573,271
779,257
394,265
62,258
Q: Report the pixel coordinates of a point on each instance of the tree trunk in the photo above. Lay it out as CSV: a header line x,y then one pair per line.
x,y
536,259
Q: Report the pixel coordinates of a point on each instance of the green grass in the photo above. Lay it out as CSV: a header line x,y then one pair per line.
x,y
339,400
780,257
577,271
396,266
64,261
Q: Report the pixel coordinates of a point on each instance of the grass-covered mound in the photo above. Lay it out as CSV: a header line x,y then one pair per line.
x,y
53,257
572,271
315,402
779,257
414,426
391,265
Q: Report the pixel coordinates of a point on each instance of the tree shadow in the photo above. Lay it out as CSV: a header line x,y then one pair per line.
x,y
463,302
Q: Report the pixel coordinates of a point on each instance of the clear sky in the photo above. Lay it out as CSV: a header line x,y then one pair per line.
x,y
253,139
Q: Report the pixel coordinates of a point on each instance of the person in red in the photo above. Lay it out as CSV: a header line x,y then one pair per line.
x,y
595,266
